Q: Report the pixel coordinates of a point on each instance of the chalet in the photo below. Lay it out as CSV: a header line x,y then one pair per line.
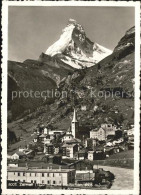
x,y
83,107
80,165
99,153
56,148
131,138
82,154
67,137
130,132
35,139
69,150
42,137
118,149
85,178
45,131
54,159
109,151
47,141
22,149
56,132
74,141
13,163
91,155
90,143
48,149
18,155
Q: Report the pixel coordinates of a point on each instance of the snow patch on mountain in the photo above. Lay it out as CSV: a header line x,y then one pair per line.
x,y
59,46
75,49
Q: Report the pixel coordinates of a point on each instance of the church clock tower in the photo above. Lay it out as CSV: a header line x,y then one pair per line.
x,y
74,124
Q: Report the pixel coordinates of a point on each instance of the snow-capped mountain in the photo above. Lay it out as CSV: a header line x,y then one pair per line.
x,y
75,49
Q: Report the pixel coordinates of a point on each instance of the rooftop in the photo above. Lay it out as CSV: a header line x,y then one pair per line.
x,y
95,129
74,140
68,145
25,169
43,135
20,153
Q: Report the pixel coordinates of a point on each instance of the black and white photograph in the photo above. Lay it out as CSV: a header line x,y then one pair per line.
x,y
70,97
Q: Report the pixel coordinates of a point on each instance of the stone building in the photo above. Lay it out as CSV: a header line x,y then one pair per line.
x,y
47,176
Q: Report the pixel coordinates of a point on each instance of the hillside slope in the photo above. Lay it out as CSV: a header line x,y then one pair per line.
x,y
106,89
32,75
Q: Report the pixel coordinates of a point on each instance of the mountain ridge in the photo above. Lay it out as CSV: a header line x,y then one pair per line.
x,y
75,48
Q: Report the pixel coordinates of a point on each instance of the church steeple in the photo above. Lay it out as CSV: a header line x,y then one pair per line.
x,y
74,124
74,117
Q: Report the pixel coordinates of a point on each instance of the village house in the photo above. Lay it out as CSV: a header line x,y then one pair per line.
x,y
99,152
90,143
82,154
35,139
47,141
109,151
109,129
12,163
22,149
99,155
85,177
56,148
83,107
49,176
55,132
67,137
69,150
48,148
74,141
54,159
130,132
98,134
80,165
9,156
103,132
45,131
42,137
91,155
18,155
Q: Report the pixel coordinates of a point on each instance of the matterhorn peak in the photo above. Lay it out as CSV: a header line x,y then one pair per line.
x,y
72,21
75,49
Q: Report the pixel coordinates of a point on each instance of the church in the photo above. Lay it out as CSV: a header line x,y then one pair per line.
x,y
71,132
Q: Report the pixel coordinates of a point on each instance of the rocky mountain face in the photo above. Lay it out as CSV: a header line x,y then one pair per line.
x,y
101,93
32,75
75,49
72,51
104,92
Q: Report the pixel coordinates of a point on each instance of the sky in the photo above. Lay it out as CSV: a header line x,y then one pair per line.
x,y
31,30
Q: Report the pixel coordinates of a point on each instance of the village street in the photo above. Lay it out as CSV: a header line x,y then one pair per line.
x,y
123,177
